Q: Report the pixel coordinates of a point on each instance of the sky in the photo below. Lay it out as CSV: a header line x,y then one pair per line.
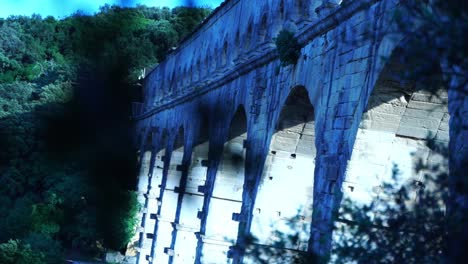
x,y
63,8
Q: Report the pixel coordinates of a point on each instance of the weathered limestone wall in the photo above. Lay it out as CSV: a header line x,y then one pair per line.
x,y
394,130
221,230
288,171
221,69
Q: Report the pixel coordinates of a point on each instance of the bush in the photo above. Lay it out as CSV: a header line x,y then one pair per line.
x,y
288,48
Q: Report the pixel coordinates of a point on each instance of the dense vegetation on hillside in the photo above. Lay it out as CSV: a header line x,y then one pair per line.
x,y
65,88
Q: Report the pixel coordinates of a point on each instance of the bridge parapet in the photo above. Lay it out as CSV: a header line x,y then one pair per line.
x,y
236,34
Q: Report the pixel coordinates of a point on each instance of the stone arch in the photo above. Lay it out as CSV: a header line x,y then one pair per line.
x,y
178,78
203,67
183,248
185,76
211,63
263,29
224,57
284,199
248,36
281,9
144,173
173,81
151,206
168,199
301,9
198,71
399,117
226,200
237,45
190,73
140,139
219,55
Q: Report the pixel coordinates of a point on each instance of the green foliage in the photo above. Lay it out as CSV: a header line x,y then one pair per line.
x,y
414,229
55,197
15,252
119,233
284,246
436,45
287,47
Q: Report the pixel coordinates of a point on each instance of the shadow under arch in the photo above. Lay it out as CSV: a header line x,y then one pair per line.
x,y
147,148
226,199
167,198
193,170
401,115
148,194
285,195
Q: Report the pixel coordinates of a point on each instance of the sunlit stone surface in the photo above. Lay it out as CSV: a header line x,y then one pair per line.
x,y
334,122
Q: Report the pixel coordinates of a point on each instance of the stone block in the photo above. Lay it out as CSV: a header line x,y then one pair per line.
x,y
423,113
363,51
427,123
285,142
308,131
349,95
381,122
427,106
442,136
342,122
415,132
345,109
306,149
386,108
429,98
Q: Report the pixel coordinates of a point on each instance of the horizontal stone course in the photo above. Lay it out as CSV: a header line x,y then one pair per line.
x,y
427,106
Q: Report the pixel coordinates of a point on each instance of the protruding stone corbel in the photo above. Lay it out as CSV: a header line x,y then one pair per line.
x,y
201,188
235,251
182,167
238,217
200,214
169,251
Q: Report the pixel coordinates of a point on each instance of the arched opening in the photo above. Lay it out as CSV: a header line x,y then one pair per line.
x,y
400,118
262,32
179,78
174,81
248,37
224,56
185,76
198,73
205,68
183,249
211,61
303,9
237,47
281,9
143,176
284,199
168,201
219,56
151,207
190,73
221,229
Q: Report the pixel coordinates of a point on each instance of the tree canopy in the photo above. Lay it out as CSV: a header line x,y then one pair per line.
x,y
65,92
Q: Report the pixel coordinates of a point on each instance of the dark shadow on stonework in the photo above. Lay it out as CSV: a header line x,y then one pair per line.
x,y
95,126
237,133
226,196
395,189
285,196
406,222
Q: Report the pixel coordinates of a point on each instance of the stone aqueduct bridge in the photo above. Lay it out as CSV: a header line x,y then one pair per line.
x,y
234,144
